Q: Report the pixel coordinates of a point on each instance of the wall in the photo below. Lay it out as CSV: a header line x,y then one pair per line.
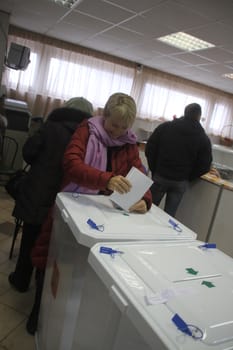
x,y
4,24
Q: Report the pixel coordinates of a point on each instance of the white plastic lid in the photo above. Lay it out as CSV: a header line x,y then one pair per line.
x,y
163,279
117,225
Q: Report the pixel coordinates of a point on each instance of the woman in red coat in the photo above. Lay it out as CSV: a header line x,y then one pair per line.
x,y
103,150
99,156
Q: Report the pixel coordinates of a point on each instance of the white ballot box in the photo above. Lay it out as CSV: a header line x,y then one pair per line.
x,y
156,295
80,221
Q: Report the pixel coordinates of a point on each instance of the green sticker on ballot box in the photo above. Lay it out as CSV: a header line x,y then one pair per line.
x,y
191,271
208,284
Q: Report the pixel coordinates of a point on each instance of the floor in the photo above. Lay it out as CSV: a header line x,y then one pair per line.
x,y
14,306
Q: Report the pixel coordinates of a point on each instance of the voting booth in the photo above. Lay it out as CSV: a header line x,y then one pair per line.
x,y
156,295
80,221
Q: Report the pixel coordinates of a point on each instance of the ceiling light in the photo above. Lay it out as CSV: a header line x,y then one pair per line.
x,y
67,3
185,41
228,75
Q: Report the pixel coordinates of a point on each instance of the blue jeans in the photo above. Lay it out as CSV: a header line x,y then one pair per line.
x,y
174,191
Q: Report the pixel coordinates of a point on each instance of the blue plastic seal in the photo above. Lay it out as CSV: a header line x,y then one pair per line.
x,y
175,225
189,329
181,325
208,246
93,225
110,251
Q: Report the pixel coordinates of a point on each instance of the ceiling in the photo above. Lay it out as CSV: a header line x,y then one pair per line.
x,y
130,28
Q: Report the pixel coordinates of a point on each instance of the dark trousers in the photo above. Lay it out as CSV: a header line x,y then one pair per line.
x,y
34,315
24,268
174,191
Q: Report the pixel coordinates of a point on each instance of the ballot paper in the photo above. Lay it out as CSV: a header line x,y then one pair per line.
x,y
140,184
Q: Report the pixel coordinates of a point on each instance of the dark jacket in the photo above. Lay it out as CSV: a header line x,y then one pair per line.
x,y
44,152
179,150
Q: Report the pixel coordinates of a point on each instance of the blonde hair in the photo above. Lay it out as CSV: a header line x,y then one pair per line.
x,y
122,105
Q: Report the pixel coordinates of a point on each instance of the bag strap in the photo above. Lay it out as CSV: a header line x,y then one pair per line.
x,y
26,167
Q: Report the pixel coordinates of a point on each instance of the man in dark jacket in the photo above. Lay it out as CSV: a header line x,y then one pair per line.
x,y
177,152
44,153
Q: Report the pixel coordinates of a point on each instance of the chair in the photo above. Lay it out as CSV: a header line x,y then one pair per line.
x,y
8,152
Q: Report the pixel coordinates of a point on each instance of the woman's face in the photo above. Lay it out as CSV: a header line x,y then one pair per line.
x,y
115,126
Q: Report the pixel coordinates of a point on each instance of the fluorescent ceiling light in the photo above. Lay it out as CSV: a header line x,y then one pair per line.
x,y
185,41
67,3
228,75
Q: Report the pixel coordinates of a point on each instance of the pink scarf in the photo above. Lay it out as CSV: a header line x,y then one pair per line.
x,y
99,141
96,152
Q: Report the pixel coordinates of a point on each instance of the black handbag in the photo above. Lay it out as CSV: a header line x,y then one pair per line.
x,y
13,184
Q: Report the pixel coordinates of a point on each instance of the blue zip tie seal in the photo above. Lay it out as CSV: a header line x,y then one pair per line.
x,y
110,251
175,225
208,246
93,225
189,329
181,325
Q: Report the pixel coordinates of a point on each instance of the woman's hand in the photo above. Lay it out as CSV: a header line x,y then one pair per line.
x,y
119,184
139,207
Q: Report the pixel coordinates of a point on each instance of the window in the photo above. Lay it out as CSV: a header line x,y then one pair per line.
x,y
160,101
27,77
56,74
221,120
66,79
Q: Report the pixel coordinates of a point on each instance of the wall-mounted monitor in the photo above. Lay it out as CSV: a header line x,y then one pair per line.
x,y
18,57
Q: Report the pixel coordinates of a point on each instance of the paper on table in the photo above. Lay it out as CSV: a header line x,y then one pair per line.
x,y
140,184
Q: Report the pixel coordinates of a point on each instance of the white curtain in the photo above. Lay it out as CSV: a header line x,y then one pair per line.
x,y
164,98
56,74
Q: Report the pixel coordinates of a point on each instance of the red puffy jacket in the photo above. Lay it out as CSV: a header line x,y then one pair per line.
x,y
122,160
75,170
